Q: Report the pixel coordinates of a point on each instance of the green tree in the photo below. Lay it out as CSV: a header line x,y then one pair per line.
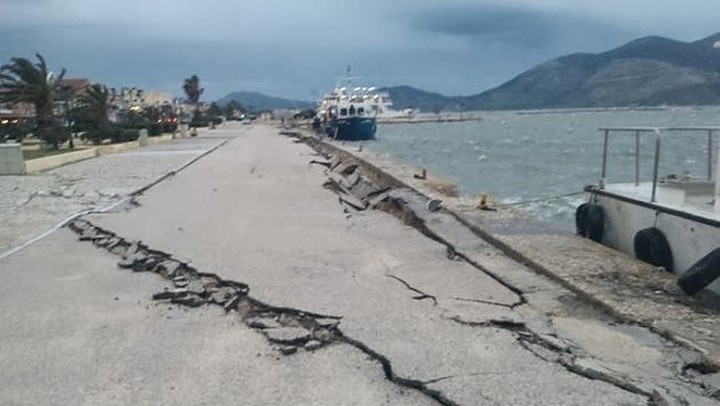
x,y
21,81
192,89
153,114
232,109
214,110
94,106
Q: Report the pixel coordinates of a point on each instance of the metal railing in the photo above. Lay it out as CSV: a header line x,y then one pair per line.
x,y
658,132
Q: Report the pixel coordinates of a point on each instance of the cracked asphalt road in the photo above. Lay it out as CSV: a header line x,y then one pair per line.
x,y
255,211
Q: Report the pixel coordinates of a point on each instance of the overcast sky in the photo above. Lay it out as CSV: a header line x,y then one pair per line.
x,y
295,48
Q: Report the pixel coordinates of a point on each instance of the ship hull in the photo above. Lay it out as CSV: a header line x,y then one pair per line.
x,y
352,129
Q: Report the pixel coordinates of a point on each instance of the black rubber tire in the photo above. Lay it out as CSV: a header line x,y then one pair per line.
x,y
652,247
581,218
701,273
595,223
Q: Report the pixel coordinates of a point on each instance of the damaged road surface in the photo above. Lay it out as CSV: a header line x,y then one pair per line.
x,y
245,280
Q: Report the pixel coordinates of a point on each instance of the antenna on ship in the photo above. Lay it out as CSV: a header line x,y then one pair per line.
x,y
348,76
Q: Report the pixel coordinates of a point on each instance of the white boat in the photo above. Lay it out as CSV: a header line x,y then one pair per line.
x,y
375,103
671,222
343,115
379,103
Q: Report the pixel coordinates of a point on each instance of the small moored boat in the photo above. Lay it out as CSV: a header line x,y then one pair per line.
x,y
671,222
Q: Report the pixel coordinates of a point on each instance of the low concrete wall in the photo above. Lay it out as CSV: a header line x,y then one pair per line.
x,y
50,162
115,148
31,147
159,139
127,146
11,159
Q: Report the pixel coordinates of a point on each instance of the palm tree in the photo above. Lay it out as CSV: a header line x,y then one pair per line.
x,y
215,110
192,89
21,81
94,105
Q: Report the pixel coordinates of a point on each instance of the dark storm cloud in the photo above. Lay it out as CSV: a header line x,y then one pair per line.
x,y
515,27
299,49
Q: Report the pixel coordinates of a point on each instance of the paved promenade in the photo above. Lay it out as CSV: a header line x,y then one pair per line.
x,y
343,306
30,205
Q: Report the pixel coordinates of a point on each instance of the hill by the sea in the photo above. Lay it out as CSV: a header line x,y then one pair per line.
x,y
650,71
257,101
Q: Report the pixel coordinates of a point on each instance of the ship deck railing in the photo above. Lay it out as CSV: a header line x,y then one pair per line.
x,y
658,133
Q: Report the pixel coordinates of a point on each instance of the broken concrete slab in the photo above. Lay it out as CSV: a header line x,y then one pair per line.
x,y
169,268
327,322
232,303
222,295
287,335
288,349
313,345
353,201
262,323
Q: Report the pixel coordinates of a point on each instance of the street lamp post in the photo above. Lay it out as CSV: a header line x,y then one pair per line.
x,y
69,104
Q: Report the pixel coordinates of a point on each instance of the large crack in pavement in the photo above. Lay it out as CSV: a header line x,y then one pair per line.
x,y
510,306
420,294
357,190
552,349
289,329
361,186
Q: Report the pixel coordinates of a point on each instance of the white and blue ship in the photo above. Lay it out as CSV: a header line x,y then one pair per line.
x,y
350,113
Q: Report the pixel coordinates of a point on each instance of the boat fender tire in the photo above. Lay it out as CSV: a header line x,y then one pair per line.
x,y
701,273
581,218
652,247
595,223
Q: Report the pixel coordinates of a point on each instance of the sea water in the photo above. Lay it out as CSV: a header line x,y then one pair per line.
x,y
530,158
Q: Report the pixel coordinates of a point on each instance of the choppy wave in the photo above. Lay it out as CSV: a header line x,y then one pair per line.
x,y
520,157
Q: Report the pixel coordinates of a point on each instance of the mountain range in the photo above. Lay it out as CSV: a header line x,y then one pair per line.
x,y
649,71
255,101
